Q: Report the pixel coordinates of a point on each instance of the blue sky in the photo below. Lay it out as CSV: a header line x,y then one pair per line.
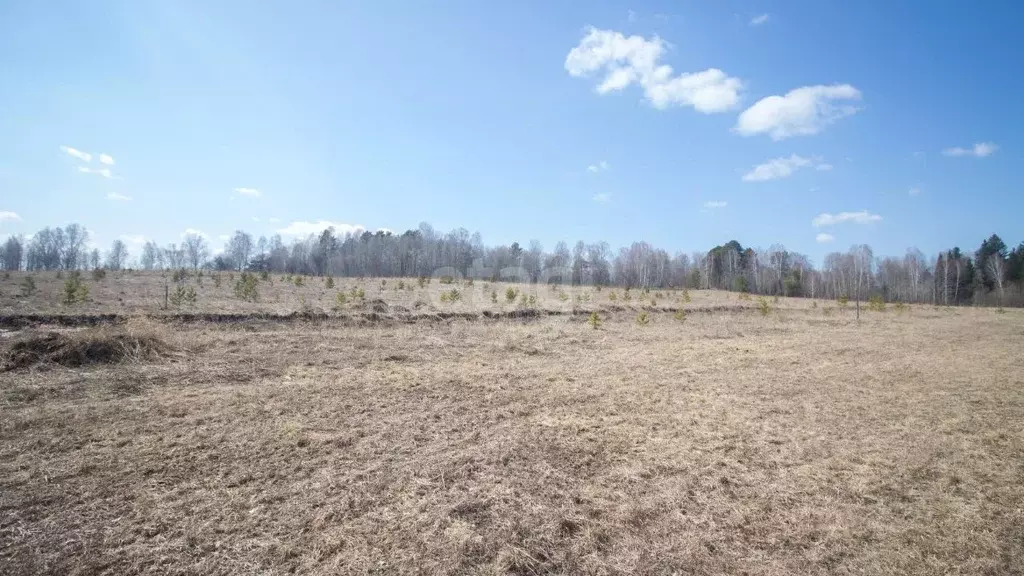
x,y
554,121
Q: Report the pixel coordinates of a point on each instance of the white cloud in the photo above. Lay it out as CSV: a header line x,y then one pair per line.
x,y
622,61
105,172
105,159
776,168
191,231
118,197
862,217
133,238
713,204
599,167
303,228
273,220
224,237
824,238
801,112
255,219
252,192
979,150
602,198
83,156
914,191
823,167
758,20
9,216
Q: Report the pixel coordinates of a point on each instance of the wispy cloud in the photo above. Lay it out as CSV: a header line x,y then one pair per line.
x,y
602,198
6,216
861,217
305,228
824,238
224,237
622,61
255,218
599,167
823,167
979,150
105,172
250,192
776,168
715,204
914,191
133,238
759,19
118,197
74,153
105,159
801,112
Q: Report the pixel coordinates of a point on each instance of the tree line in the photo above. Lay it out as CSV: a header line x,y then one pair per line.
x,y
991,275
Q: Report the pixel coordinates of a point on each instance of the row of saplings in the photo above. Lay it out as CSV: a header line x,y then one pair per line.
x,y
75,290
642,319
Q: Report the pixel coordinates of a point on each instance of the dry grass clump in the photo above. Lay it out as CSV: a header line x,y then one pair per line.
x,y
104,345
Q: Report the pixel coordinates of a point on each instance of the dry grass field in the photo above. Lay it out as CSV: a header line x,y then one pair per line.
x,y
386,437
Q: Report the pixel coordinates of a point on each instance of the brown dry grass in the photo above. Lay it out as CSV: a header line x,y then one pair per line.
x,y
133,293
802,442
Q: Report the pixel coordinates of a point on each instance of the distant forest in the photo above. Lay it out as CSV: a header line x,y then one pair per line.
x,y
993,274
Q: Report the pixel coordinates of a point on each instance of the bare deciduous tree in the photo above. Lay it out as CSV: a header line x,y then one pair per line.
x,y
239,249
151,256
197,250
117,256
13,253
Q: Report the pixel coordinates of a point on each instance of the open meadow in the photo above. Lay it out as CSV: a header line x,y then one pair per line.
x,y
511,429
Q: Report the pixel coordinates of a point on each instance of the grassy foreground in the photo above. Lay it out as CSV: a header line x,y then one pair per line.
x,y
800,441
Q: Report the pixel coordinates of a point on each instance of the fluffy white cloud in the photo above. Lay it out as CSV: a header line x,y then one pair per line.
x,y
83,156
622,61
979,150
713,204
862,217
758,20
9,216
824,238
133,238
602,198
105,172
194,232
252,192
599,167
105,159
914,191
118,197
303,228
776,168
255,218
803,111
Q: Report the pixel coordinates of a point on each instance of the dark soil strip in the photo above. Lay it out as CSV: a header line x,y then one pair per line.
x,y
83,320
